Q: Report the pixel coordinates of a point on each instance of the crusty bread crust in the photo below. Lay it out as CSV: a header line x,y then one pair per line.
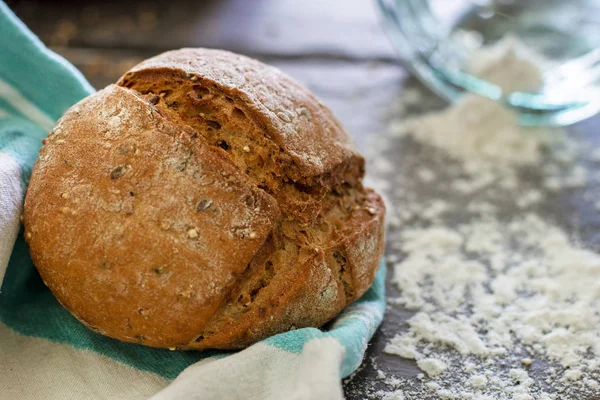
x,y
209,201
291,115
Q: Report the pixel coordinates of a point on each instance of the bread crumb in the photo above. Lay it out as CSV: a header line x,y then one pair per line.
x,y
64,195
527,361
246,149
252,235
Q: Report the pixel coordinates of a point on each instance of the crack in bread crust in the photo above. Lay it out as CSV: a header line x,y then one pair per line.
x,y
314,208
228,123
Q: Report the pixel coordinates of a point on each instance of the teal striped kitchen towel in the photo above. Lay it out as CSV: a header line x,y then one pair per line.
x,y
46,353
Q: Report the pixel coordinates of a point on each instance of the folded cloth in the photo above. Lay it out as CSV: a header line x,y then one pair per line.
x,y
46,353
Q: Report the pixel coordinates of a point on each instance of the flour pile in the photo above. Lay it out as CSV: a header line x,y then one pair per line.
x,y
506,303
480,131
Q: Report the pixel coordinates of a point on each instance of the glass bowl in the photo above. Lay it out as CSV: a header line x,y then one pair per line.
x,y
439,39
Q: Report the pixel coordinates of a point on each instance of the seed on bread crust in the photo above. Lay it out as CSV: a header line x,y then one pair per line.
x,y
118,172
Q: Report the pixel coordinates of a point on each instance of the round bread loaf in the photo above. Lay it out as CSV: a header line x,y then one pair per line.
x,y
205,201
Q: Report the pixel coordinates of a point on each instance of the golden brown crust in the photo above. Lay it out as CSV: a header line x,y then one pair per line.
x,y
149,229
122,211
312,293
292,116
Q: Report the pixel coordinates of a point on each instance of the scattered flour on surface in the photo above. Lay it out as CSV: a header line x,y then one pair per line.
x,y
432,366
506,304
478,381
529,198
426,175
487,288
